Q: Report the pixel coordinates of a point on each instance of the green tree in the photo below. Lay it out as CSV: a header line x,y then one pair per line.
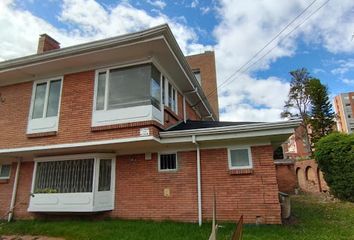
x,y
335,156
321,116
297,104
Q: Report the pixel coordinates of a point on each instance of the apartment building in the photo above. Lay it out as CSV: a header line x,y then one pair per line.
x,y
344,108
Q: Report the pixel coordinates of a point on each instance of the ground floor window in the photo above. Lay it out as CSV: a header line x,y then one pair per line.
x,y
168,162
69,176
240,158
73,174
5,171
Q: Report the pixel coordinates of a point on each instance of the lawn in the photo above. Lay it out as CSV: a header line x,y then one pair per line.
x,y
313,219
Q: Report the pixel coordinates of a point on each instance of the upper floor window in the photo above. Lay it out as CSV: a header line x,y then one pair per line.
x,y
46,99
240,158
197,75
128,87
5,171
45,106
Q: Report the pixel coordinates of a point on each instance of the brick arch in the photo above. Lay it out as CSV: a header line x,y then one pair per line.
x,y
310,174
300,174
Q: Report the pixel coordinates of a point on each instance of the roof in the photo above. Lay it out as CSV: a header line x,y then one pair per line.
x,y
102,53
193,124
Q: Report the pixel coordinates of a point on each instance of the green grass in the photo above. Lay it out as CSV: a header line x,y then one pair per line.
x,y
313,219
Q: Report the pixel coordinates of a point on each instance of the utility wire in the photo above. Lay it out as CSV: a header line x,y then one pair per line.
x,y
267,44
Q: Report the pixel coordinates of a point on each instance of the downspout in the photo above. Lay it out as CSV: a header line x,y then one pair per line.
x,y
14,191
184,109
199,186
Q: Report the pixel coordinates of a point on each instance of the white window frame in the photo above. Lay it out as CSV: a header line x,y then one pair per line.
x,y
248,148
124,115
7,177
93,205
167,95
50,123
159,160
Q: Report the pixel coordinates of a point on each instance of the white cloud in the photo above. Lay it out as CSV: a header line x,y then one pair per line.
x,y
246,26
348,81
194,3
157,3
91,22
344,66
205,10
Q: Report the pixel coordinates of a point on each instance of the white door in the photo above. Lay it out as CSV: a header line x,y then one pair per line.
x,y
105,184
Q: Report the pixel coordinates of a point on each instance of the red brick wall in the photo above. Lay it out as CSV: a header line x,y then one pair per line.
x,y
140,188
309,177
286,178
250,195
74,118
205,62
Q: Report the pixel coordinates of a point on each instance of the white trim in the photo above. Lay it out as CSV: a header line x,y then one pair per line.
x,y
79,144
54,119
159,159
240,147
7,177
92,205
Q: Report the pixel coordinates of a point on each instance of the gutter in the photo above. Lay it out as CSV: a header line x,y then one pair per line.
x,y
199,182
231,129
14,192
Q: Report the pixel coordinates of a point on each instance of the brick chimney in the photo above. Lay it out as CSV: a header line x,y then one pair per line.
x,y
47,43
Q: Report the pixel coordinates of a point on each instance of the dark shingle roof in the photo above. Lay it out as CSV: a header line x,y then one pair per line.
x,y
192,124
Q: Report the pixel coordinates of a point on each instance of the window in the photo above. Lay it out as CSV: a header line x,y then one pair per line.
x,y
198,76
167,162
126,87
46,99
104,181
163,90
240,158
73,183
155,90
172,98
69,176
5,171
45,106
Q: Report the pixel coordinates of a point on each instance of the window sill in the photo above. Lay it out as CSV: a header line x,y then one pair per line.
x,y
4,180
44,134
241,171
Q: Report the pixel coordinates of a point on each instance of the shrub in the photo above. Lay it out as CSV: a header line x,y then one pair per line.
x,y
335,157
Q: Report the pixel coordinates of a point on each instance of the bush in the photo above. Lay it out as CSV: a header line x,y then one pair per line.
x,y
335,157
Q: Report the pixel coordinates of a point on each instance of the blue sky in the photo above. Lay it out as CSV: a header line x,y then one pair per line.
x,y
234,29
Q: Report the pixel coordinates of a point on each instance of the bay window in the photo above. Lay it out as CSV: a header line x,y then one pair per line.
x,y
45,106
78,183
127,94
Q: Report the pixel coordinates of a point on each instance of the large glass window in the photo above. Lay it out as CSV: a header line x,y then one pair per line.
x,y
126,87
69,176
155,88
46,99
240,158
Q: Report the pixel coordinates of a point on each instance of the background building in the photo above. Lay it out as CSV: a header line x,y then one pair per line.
x,y
344,107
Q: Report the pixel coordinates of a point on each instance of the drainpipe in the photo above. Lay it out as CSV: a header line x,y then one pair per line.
x,y
199,186
14,191
184,109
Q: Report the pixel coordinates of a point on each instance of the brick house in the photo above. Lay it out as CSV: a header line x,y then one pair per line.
x,y
122,127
